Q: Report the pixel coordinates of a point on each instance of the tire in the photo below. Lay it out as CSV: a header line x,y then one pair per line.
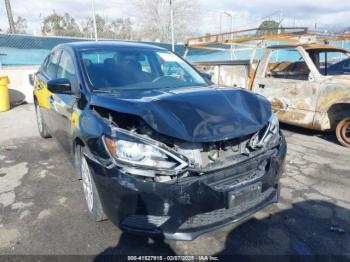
x,y
343,132
44,133
91,196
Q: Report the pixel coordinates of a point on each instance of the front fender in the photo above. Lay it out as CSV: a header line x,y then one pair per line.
x,y
327,119
90,129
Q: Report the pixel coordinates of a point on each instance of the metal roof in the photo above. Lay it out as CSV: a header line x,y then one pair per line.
x,y
310,47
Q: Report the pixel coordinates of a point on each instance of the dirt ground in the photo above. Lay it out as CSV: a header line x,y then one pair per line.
x,y
42,209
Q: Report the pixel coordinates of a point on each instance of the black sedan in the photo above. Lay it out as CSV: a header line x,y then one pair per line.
x,y
159,150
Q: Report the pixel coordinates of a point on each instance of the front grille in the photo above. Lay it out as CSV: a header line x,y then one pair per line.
x,y
144,222
221,215
233,181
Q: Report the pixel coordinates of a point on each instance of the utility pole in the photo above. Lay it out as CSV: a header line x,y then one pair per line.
x,y
94,19
220,25
231,16
231,29
172,26
10,17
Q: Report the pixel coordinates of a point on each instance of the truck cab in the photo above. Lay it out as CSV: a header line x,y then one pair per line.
x,y
308,85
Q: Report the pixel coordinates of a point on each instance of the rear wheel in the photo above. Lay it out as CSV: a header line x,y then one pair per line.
x,y
343,132
44,133
91,195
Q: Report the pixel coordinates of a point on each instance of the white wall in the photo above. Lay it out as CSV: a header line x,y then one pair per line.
x,y
19,81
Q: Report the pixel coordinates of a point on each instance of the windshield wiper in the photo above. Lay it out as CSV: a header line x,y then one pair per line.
x,y
103,90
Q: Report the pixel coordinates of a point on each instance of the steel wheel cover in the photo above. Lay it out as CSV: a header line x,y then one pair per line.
x,y
87,183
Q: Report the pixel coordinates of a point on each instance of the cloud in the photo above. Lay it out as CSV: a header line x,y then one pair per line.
x,y
246,13
306,11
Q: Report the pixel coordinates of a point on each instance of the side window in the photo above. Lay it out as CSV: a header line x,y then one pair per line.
x,y
145,65
334,63
44,64
287,64
50,67
66,69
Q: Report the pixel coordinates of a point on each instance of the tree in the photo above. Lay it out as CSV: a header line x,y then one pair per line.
x,y
122,28
154,16
116,29
268,27
20,25
60,25
103,29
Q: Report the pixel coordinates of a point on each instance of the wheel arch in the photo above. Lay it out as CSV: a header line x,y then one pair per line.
x,y
77,141
338,111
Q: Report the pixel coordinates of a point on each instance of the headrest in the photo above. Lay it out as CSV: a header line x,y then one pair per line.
x,y
87,62
109,62
134,65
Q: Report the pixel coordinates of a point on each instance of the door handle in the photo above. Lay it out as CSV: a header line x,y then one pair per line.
x,y
261,86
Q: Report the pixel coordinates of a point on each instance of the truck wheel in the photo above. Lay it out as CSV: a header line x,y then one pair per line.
x,y
343,132
91,195
44,133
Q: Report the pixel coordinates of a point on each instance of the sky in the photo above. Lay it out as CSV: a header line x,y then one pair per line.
x,y
247,13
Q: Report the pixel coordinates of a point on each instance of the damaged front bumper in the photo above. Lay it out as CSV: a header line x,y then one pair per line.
x,y
185,208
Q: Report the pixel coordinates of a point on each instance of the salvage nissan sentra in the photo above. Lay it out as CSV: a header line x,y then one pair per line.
x,y
158,149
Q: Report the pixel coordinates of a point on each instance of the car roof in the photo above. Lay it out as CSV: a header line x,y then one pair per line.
x,y
310,47
85,45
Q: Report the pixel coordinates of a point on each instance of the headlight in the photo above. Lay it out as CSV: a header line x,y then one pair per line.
x,y
268,135
274,126
139,154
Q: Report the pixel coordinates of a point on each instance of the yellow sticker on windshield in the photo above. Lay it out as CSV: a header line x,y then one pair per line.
x,y
169,57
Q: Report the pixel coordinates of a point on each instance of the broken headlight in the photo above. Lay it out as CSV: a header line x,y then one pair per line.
x,y
129,150
268,135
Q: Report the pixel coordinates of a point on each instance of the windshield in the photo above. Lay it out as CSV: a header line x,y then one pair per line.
x,y
125,68
331,62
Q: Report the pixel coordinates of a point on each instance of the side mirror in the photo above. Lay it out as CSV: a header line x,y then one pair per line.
x,y
60,86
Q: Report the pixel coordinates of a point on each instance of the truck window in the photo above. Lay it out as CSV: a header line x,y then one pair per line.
x,y
331,62
287,64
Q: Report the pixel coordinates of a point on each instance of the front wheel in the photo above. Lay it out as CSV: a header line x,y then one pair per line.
x,y
44,133
91,195
343,132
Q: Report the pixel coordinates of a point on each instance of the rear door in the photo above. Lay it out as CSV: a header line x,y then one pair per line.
x,y
47,72
284,77
62,104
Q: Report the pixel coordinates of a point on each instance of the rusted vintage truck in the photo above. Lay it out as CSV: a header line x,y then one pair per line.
x,y
308,85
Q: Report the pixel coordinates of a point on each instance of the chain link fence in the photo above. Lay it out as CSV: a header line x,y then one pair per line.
x,y
38,26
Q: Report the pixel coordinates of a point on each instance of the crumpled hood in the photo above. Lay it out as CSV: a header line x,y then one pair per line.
x,y
198,114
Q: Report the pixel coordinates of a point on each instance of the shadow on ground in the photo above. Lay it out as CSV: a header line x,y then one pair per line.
x,y
307,228
16,97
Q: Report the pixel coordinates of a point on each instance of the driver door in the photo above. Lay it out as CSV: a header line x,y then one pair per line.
x,y
62,105
285,79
